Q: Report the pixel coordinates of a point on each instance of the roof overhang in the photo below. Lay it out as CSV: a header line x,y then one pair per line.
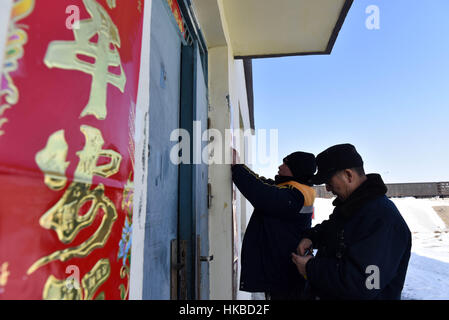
x,y
272,28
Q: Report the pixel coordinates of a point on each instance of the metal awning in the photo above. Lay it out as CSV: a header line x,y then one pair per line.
x,y
272,28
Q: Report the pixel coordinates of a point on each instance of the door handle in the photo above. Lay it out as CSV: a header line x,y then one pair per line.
x,y
206,258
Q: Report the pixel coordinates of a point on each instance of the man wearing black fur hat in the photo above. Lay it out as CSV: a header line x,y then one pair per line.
x,y
364,246
282,210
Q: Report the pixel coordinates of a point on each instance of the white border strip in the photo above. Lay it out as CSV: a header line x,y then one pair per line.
x,y
141,137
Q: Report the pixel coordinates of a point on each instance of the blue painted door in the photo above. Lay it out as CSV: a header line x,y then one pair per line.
x,y
200,180
162,195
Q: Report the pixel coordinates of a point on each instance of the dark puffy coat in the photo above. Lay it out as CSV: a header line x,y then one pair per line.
x,y
273,232
365,230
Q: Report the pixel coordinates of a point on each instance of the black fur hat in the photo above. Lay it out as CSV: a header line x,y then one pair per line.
x,y
301,164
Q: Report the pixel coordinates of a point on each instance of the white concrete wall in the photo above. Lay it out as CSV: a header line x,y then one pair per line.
x,y
141,137
220,212
239,101
226,77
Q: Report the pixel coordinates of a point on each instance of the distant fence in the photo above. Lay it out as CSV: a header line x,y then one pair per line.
x,y
398,190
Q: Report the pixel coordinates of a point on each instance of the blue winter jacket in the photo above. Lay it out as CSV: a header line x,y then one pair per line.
x,y
363,249
272,234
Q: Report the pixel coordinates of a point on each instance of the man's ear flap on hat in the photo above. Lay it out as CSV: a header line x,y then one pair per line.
x,y
347,174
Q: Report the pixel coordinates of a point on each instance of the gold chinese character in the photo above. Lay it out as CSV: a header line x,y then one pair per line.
x,y
4,274
66,55
95,278
52,161
112,3
55,289
64,216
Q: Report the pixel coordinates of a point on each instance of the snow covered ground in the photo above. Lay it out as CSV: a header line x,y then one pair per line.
x,y
428,271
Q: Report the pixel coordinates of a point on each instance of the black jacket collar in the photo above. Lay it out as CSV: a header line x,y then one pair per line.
x,y
372,188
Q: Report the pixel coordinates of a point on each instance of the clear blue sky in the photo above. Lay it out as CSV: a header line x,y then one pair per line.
x,y
385,91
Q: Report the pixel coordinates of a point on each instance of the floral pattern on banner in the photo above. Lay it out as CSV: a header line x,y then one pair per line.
x,y
125,242
14,51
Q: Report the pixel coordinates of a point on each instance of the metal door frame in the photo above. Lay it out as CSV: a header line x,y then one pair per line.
x,y
189,275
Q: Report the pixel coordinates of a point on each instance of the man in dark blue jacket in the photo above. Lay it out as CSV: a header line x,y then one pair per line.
x,y
282,210
364,247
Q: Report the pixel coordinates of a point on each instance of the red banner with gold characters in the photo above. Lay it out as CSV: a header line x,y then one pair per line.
x,y
68,93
